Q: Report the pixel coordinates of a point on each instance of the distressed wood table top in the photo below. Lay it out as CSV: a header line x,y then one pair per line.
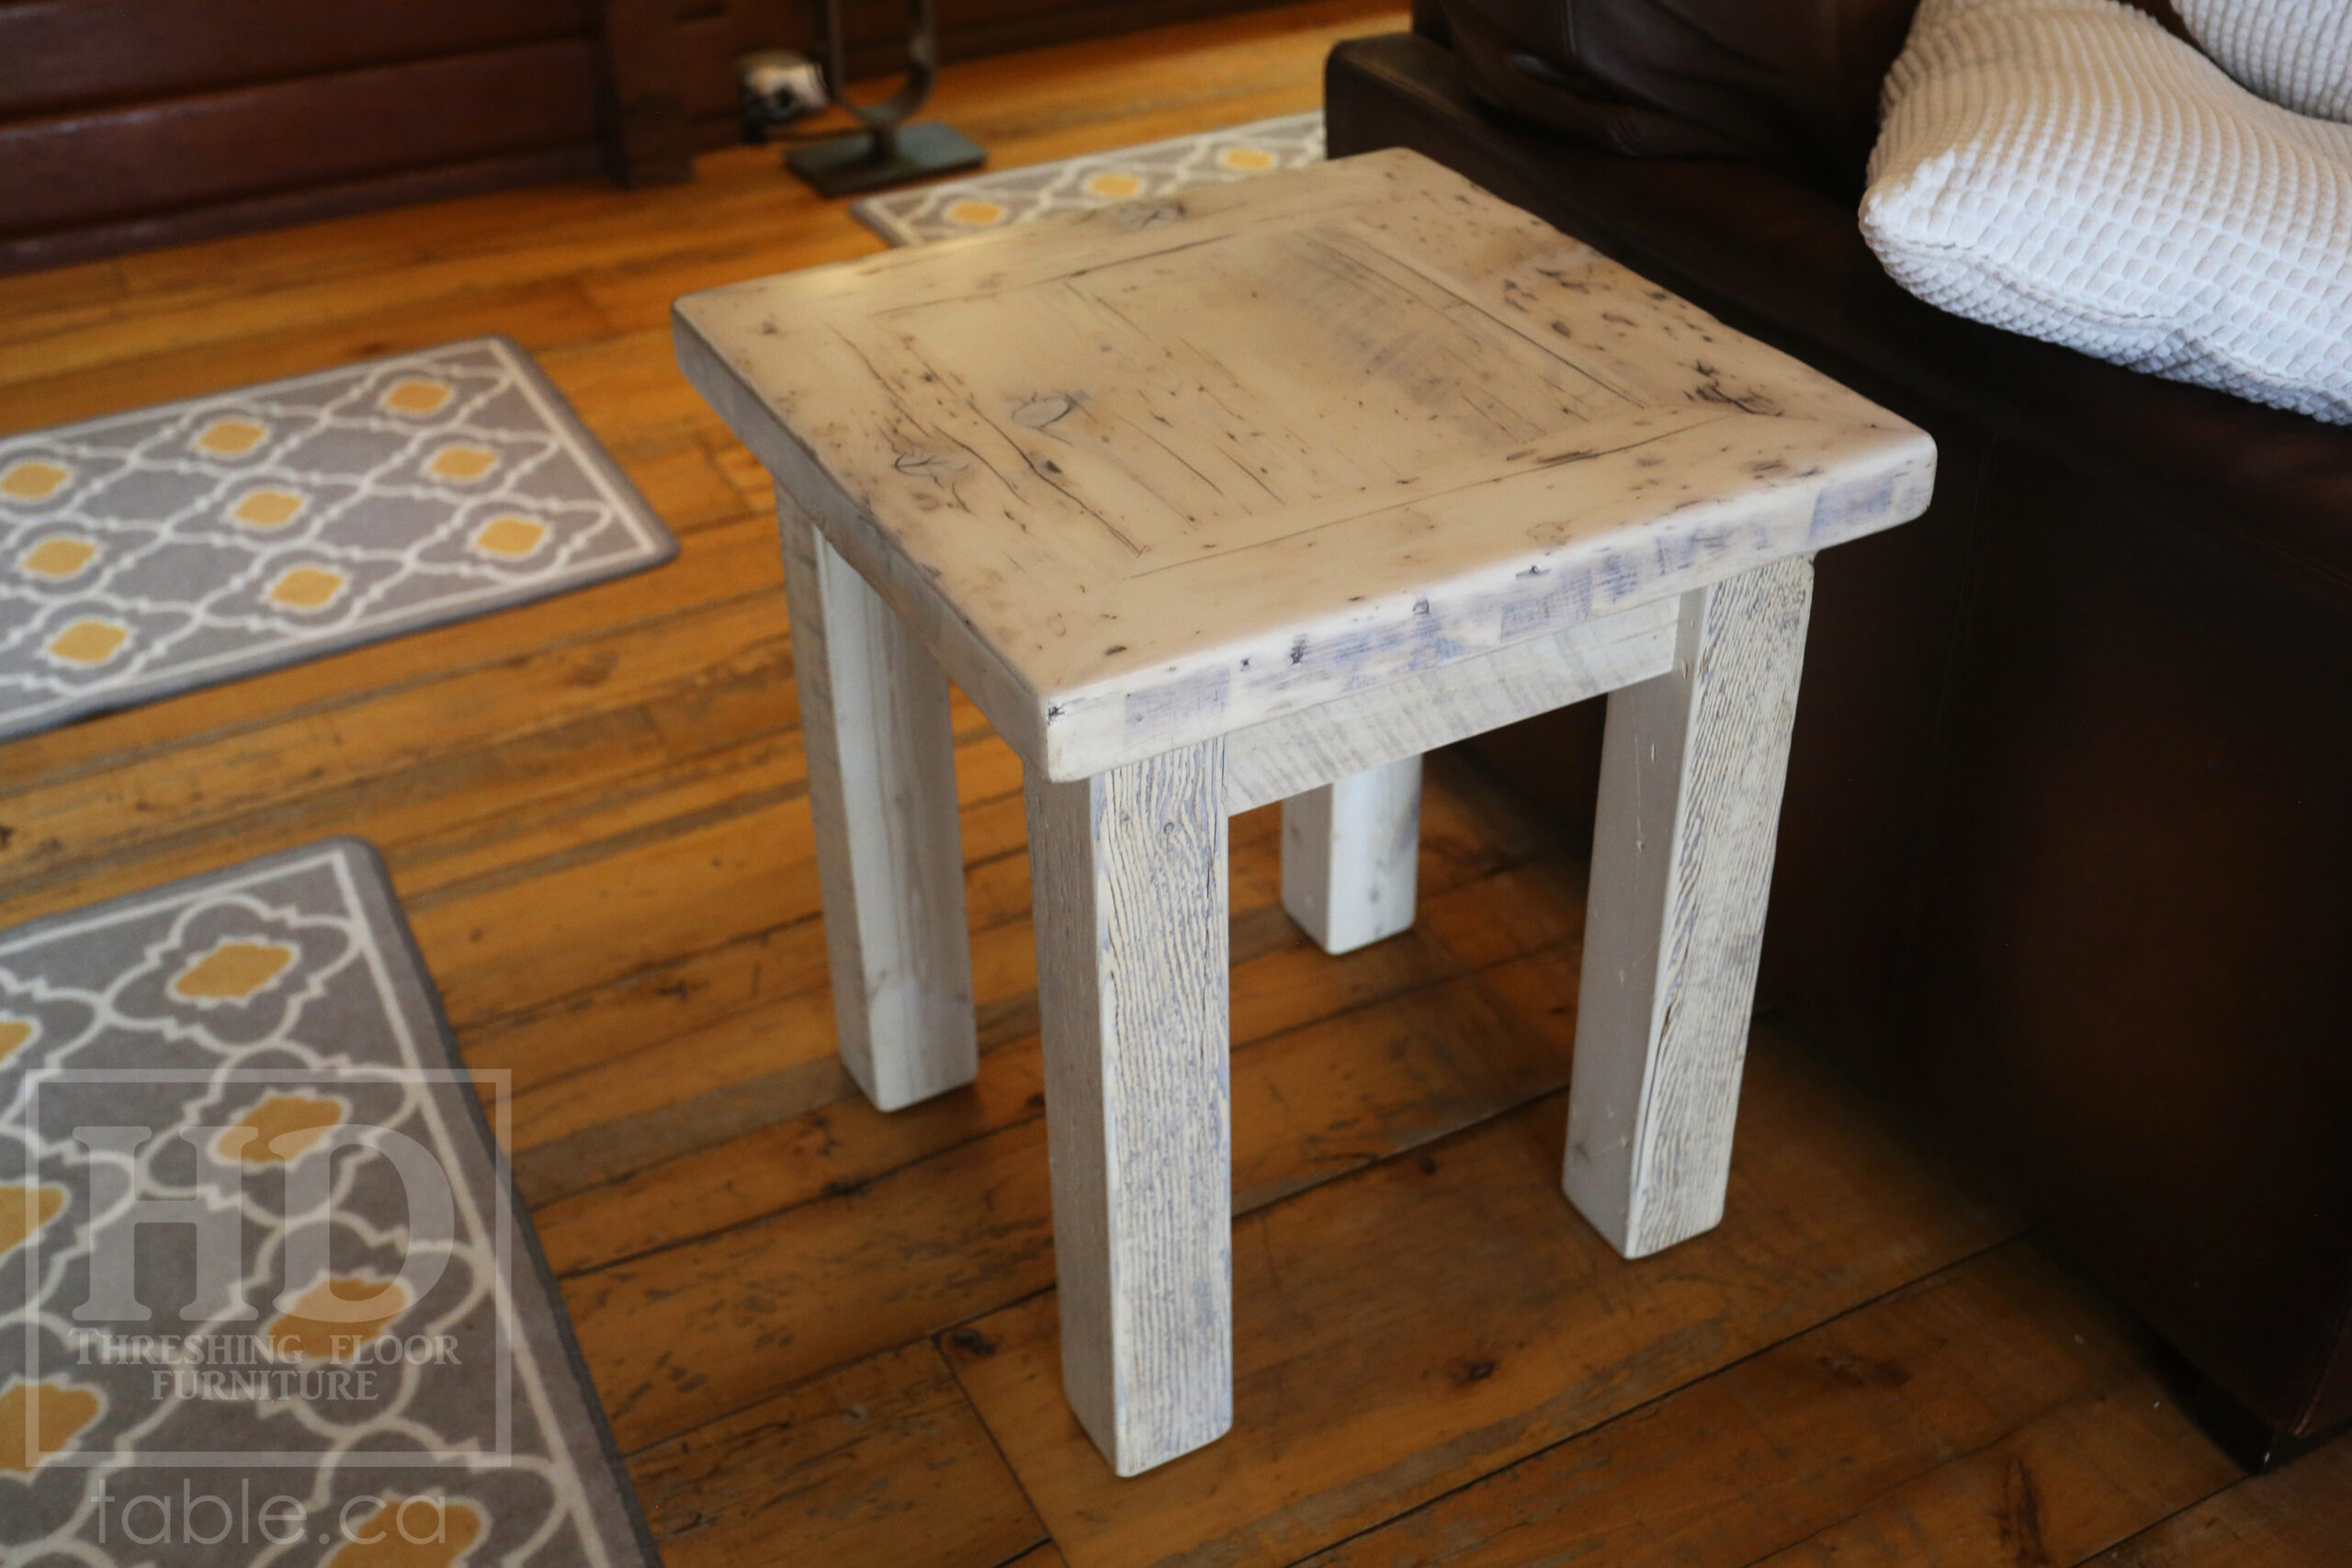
x,y
1148,474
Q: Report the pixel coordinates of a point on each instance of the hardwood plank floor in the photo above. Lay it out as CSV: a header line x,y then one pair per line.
x,y
827,1336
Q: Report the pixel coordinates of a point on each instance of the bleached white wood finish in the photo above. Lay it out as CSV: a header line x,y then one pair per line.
x,y
1127,878
873,717
1693,766
1158,472
1260,492
1429,708
1351,855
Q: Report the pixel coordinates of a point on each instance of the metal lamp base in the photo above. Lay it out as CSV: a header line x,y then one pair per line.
x,y
863,160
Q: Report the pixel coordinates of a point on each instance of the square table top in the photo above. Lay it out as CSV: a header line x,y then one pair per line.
x,y
1151,473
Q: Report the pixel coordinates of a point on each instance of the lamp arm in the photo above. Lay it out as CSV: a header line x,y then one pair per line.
x,y
922,67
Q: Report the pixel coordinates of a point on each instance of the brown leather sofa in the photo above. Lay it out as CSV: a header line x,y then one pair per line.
x,y
2065,868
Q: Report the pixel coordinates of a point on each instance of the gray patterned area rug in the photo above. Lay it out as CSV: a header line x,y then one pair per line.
x,y
266,1296
148,552
1131,174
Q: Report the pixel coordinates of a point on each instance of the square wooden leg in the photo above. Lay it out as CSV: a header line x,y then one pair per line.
x,y
881,754
1691,772
1127,883
1351,855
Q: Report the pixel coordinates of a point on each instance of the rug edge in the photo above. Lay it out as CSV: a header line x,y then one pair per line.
x,y
664,546
380,886
372,884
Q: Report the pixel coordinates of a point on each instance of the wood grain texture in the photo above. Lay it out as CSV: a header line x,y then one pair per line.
x,y
171,776
724,1298
1119,433
1129,872
2297,1516
1045,1556
1407,1049
1995,1414
880,1461
1161,471
697,1050
874,716
62,54
67,172
2081,1475
193,305
711,39
626,759
1429,708
236,79
1419,1323
1691,773
645,122
311,203
1351,855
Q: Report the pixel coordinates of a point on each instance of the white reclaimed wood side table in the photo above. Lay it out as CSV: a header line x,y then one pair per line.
x,y
1257,495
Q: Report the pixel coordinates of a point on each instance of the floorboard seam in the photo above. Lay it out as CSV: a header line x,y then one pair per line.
x,y
1661,1397
139,755
867,1183
929,1338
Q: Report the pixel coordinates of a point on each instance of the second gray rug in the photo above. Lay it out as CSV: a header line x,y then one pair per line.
x,y
148,552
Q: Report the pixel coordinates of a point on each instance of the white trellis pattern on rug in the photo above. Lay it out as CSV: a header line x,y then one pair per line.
x,y
173,547
1130,173
280,996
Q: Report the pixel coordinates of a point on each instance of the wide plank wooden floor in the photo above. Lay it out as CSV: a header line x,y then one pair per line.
x,y
825,1335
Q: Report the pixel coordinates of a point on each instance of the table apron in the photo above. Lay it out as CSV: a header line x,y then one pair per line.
x,y
1421,712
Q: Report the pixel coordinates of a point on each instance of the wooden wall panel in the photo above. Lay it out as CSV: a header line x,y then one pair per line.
x,y
306,205
69,55
126,123
707,54
67,172
709,39
971,29
645,132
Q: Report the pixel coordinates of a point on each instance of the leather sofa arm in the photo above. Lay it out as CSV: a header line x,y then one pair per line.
x,y
1787,263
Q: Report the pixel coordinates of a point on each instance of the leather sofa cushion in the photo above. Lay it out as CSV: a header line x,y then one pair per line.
x,y
1793,84
1789,83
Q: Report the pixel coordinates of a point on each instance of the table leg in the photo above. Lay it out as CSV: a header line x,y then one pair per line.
x,y
1691,777
1127,885
1351,855
881,761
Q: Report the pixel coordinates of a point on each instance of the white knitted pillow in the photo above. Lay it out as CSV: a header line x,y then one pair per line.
x,y
2068,169
2296,53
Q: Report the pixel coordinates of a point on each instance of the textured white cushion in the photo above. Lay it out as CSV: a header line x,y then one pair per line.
x,y
2069,170
2296,53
